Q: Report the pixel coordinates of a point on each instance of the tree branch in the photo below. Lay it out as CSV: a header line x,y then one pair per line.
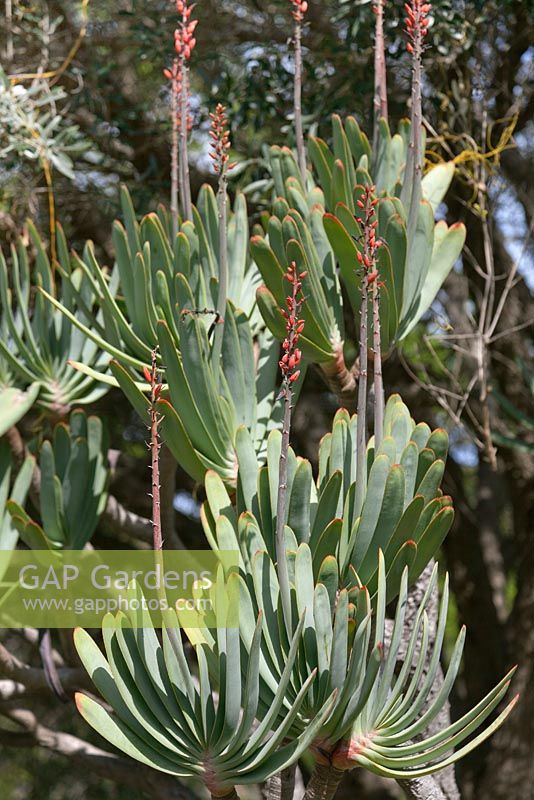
x,y
110,766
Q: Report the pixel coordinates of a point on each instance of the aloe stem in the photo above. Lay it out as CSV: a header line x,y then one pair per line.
x,y
377,368
185,187
415,146
297,103
289,366
380,101
223,276
323,783
361,430
174,155
154,457
281,555
280,786
417,24
220,142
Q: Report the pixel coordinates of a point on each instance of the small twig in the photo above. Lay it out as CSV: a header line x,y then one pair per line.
x,y
50,670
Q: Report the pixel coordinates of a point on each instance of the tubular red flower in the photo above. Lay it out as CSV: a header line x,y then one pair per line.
x,y
294,326
417,23
184,41
299,9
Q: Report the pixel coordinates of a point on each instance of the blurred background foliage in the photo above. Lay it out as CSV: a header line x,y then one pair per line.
x,y
84,106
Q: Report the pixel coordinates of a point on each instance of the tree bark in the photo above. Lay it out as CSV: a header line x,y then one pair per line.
x,y
323,783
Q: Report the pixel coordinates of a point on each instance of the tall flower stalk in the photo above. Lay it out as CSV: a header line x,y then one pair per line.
x,y
220,144
289,367
184,44
380,101
151,376
299,8
173,74
417,22
369,289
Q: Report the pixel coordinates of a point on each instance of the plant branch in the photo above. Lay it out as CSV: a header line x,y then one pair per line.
x,y
34,678
108,765
323,783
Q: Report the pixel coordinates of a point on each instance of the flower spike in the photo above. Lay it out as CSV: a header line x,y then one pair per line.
x,y
290,373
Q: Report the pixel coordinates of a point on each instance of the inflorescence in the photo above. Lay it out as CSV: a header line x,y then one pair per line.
x,y
294,326
299,9
369,222
220,140
417,23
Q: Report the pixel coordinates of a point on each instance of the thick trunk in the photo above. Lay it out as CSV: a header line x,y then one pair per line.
x,y
342,382
323,783
281,786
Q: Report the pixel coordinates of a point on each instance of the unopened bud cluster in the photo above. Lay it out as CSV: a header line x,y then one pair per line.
x,y
184,39
299,8
151,377
220,140
417,23
367,255
294,325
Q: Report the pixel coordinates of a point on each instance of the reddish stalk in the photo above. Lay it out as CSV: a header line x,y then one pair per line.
x,y
367,262
416,29
151,376
173,75
288,365
220,142
380,101
184,43
377,367
299,9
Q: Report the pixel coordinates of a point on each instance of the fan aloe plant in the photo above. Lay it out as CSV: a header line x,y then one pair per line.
x,y
312,664
165,296
412,267
38,343
382,698
73,487
402,512
163,717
